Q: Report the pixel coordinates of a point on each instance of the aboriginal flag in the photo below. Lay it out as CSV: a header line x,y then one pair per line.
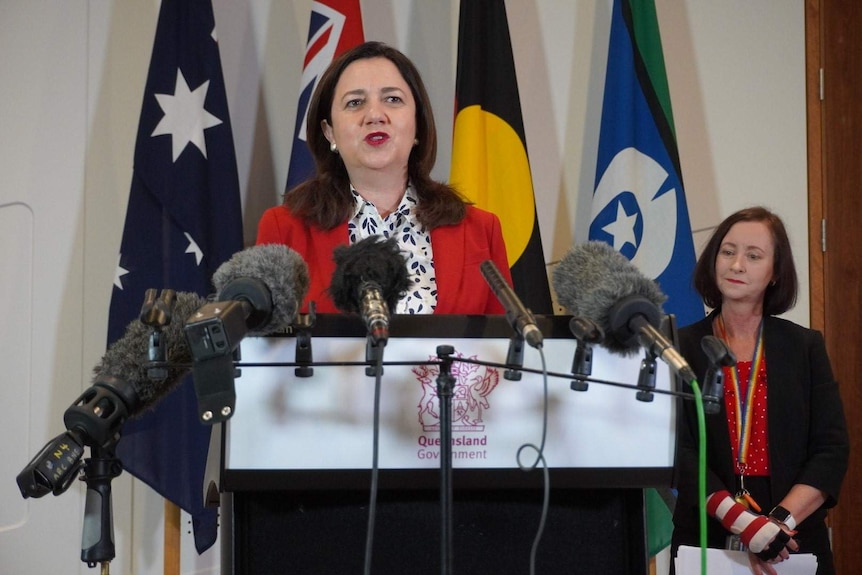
x,y
489,152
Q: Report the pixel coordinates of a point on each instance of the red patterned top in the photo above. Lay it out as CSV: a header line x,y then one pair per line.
x,y
758,448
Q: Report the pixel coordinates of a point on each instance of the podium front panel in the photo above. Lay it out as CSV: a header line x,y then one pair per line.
x,y
292,431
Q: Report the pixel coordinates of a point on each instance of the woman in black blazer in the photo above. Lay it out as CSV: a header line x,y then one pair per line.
x,y
777,450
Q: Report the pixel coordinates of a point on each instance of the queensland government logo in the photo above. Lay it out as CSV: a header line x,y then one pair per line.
x,y
470,398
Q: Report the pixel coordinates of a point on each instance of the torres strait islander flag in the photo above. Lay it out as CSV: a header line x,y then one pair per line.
x,y
639,204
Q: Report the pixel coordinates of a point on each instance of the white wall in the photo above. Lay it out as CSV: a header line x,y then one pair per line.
x,y
72,76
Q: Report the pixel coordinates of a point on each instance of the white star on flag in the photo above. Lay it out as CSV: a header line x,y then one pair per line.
x,y
194,248
119,273
622,228
185,118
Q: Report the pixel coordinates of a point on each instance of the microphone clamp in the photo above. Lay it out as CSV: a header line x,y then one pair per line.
x,y
587,333
719,356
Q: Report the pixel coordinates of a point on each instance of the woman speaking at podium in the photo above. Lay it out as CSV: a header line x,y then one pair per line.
x,y
370,129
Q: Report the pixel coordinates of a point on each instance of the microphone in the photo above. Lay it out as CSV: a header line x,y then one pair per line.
x,y
126,363
132,376
596,282
259,291
122,387
269,280
54,468
370,277
519,317
719,356
586,330
635,319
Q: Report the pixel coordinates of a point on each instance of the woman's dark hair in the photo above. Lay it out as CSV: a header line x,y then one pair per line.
x,y
325,199
781,293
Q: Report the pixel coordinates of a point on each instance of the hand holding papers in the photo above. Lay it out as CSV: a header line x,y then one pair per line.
x,y
723,562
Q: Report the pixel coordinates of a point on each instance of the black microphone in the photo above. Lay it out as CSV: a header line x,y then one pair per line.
x,y
270,280
127,366
129,379
719,356
122,387
595,281
370,277
586,330
54,468
636,319
519,317
259,291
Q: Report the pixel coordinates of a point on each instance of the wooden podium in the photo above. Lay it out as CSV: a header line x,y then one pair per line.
x,y
297,453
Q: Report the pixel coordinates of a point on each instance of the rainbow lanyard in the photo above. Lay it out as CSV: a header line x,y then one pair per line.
x,y
744,409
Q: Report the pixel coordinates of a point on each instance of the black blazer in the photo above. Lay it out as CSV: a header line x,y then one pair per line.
x,y
808,441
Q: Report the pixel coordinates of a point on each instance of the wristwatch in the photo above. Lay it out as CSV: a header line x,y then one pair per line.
x,y
782,515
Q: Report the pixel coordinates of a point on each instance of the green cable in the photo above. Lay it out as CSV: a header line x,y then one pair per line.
x,y
701,472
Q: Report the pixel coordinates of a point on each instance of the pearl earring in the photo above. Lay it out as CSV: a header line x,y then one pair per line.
x,y
333,148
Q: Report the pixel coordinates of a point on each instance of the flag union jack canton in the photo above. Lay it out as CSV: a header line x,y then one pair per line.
x,y
335,27
183,220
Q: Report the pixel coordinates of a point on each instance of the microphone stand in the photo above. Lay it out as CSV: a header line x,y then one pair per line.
x,y
514,358
582,365
304,355
97,540
372,351
646,378
445,388
586,333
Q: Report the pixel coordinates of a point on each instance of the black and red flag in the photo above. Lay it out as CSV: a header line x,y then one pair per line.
x,y
489,151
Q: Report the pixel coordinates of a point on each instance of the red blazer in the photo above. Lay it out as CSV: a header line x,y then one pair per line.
x,y
458,251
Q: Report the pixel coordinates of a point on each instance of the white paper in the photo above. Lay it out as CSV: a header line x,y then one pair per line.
x,y
722,562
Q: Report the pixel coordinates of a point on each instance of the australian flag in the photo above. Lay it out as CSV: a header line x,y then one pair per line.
x,y
334,28
183,220
639,204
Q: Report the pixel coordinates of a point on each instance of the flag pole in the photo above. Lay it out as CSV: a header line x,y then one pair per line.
x,y
172,538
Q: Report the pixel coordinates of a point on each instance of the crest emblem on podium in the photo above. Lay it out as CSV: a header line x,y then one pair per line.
x,y
471,397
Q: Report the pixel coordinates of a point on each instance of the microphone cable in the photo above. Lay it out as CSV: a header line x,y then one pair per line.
x,y
375,453
540,458
701,471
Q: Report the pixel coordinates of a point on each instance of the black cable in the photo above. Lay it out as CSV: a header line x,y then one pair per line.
x,y
540,458
567,376
375,470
